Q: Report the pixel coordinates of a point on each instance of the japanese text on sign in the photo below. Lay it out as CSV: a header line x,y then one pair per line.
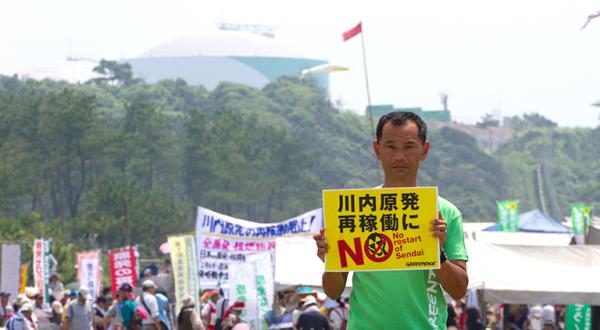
x,y
380,229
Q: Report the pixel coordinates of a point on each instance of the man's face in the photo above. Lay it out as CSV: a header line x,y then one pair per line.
x,y
4,300
39,300
121,295
400,151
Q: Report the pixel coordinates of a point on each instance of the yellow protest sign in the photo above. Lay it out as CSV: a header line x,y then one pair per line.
x,y
380,229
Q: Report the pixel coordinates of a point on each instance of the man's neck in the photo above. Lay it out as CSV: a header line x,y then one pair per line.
x,y
390,183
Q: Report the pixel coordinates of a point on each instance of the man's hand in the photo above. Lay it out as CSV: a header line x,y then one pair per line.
x,y
439,229
322,246
333,283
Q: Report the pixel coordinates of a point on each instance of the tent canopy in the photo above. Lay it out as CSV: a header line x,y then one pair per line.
x,y
296,262
535,274
536,221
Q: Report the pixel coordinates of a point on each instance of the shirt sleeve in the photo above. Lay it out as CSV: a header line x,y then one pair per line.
x,y
152,303
455,240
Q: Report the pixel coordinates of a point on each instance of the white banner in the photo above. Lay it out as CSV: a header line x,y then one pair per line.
x,y
11,266
185,274
223,240
41,266
252,283
89,272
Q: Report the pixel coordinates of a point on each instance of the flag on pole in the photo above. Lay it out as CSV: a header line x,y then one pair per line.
x,y
352,32
323,68
508,215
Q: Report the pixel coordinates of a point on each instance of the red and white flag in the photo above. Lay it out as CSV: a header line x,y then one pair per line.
x,y
352,32
122,268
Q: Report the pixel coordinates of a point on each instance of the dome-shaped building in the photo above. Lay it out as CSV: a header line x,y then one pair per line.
x,y
224,55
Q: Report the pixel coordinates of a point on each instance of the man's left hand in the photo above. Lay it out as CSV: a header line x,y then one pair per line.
x,y
439,229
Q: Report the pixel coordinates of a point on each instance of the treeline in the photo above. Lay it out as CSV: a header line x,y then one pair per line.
x,y
103,165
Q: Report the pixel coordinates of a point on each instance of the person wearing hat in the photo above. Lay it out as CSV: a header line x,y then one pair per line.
x,y
4,308
188,318
41,312
209,311
57,311
22,320
79,314
55,287
311,316
149,302
231,317
119,315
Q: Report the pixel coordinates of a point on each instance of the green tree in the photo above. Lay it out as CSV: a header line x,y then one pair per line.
x,y
115,73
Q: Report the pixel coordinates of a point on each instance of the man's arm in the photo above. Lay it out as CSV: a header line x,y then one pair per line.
x,y
105,321
453,278
452,273
67,324
334,283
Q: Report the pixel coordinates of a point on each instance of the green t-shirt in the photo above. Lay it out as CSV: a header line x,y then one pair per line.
x,y
409,299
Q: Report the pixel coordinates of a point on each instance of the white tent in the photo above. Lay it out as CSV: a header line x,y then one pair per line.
x,y
535,274
506,273
296,262
474,231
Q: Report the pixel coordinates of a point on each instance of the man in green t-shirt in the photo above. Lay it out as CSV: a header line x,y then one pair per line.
x,y
409,299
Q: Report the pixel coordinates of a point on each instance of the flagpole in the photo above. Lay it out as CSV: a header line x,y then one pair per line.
x,y
369,111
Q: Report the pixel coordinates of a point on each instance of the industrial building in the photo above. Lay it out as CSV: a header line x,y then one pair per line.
x,y
224,55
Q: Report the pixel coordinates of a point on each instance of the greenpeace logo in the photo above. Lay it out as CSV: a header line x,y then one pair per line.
x,y
419,263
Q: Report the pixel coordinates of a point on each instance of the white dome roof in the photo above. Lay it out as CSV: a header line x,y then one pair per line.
x,y
224,43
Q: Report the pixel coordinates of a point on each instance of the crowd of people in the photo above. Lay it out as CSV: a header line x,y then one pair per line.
x,y
147,307
506,316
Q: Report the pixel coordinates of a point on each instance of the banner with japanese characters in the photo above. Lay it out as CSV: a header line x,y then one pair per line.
x,y
223,240
183,260
89,272
122,268
11,263
252,283
41,266
581,217
380,229
579,317
508,216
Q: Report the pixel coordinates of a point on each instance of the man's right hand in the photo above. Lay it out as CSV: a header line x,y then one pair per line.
x,y
322,246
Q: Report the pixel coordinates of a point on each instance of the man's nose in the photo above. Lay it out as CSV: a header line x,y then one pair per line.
x,y
399,155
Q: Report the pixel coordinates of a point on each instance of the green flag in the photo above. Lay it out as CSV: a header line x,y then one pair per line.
x,y
581,215
508,216
579,317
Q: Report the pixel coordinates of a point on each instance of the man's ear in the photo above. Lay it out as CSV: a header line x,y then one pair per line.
x,y
425,150
377,149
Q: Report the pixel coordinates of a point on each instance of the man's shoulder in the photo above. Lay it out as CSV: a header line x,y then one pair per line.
x,y
447,207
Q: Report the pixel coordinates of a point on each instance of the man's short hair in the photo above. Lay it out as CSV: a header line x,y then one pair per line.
x,y
400,118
